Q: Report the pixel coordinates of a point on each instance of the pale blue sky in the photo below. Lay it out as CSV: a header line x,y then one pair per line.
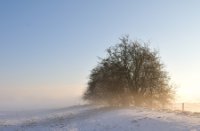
x,y
55,43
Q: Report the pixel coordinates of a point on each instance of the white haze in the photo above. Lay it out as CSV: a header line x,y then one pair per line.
x,y
18,99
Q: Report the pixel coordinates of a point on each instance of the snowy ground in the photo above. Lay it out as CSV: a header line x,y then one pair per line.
x,y
93,118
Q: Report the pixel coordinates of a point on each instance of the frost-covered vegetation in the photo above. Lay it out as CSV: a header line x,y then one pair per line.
x,y
131,74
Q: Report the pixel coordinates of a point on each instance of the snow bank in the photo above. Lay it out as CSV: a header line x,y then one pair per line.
x,y
97,118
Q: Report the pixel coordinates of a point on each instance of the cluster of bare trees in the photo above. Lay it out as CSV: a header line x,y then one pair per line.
x,y
131,74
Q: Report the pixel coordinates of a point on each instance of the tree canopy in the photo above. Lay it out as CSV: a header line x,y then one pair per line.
x,y
130,74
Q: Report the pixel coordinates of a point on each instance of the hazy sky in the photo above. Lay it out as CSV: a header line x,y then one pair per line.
x,y
48,47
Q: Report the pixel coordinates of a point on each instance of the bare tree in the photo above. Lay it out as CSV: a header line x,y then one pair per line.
x,y
131,74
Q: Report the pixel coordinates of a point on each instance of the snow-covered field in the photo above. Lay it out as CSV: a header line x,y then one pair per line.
x,y
96,118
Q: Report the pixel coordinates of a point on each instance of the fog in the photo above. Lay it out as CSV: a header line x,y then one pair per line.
x,y
18,99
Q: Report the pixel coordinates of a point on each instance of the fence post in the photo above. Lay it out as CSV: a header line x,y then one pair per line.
x,y
182,106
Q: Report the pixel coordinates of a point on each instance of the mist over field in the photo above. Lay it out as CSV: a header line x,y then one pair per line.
x,y
39,98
